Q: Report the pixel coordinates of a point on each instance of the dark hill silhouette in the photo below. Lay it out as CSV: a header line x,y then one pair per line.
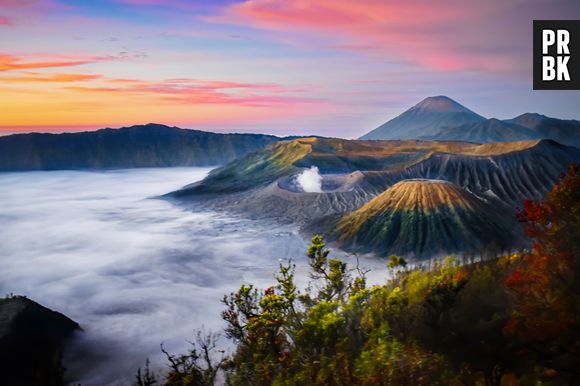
x,y
32,338
150,145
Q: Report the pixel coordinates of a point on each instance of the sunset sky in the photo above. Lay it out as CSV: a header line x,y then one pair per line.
x,y
325,67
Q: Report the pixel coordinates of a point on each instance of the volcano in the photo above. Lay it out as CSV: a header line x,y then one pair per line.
x,y
426,118
421,217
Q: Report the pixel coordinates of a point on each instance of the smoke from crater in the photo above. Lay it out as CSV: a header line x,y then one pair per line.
x,y
310,180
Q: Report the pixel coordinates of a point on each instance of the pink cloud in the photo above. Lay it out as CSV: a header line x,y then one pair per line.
x,y
192,91
6,21
450,35
16,3
170,4
28,4
149,2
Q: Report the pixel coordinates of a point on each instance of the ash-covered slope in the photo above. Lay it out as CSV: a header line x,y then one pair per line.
x,y
353,172
426,118
424,218
507,172
502,175
511,171
329,155
490,130
151,145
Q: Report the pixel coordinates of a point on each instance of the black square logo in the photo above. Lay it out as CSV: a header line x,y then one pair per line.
x,y
556,54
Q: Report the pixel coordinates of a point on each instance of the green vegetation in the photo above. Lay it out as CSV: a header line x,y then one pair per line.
x,y
253,170
506,321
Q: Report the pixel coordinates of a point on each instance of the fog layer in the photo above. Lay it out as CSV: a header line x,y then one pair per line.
x,y
133,271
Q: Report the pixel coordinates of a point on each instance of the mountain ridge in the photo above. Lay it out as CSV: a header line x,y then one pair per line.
x,y
150,145
342,156
490,130
442,118
354,172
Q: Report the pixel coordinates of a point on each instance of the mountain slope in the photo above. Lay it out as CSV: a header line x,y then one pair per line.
x,y
564,131
253,170
507,172
353,172
490,130
426,118
483,182
330,155
149,145
424,218
495,166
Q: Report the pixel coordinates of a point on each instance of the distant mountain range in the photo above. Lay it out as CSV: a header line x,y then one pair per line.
x,y
155,145
441,118
466,199
150,145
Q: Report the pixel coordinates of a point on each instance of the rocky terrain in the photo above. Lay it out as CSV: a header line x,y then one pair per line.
x,y
497,175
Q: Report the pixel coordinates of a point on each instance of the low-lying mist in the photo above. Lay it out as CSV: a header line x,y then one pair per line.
x,y
133,271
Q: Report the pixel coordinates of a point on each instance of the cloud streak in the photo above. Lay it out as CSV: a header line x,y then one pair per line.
x,y
34,77
12,62
193,91
477,52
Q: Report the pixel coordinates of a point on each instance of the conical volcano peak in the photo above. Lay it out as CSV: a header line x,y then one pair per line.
x,y
426,118
440,103
421,218
418,195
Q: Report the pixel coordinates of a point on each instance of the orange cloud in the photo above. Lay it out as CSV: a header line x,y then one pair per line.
x,y
57,78
192,91
10,62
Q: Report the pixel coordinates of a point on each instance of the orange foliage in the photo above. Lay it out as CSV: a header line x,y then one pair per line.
x,y
545,281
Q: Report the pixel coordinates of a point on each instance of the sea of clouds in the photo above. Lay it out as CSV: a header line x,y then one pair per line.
x,y
132,270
